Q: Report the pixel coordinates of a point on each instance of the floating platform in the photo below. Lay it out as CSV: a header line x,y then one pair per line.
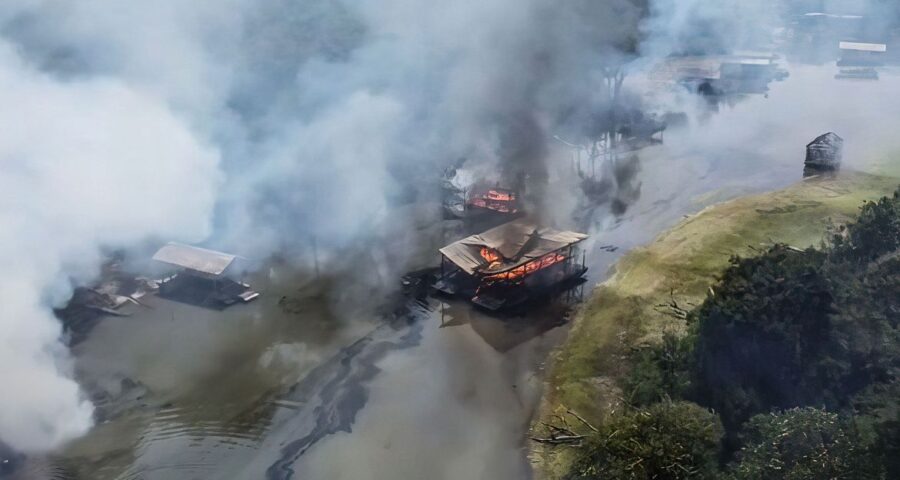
x,y
510,265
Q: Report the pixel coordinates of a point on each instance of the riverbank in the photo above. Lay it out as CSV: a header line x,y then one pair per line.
x,y
634,307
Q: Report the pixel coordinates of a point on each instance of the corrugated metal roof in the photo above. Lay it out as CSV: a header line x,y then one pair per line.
x,y
863,47
198,259
508,240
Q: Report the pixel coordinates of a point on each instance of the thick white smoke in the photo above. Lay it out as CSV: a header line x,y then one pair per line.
x,y
807,104
323,113
83,164
696,27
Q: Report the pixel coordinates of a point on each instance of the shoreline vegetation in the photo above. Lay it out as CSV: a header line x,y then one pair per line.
x,y
649,302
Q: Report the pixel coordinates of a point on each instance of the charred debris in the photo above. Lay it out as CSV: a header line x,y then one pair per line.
x,y
116,289
197,276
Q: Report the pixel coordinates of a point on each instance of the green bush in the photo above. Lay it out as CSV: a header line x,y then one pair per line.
x,y
791,328
876,231
764,339
782,330
660,371
805,444
672,440
879,411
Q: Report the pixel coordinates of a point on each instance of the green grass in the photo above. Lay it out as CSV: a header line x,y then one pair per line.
x,y
681,264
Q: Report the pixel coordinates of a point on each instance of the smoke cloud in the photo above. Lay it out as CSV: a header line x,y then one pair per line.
x,y
697,27
262,126
256,127
85,163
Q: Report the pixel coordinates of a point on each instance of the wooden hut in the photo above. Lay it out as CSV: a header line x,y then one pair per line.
x,y
824,154
203,278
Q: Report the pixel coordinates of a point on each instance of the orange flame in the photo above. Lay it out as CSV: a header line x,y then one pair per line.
x,y
490,255
499,201
527,269
500,196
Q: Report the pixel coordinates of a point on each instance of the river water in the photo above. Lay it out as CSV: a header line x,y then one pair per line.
x,y
291,387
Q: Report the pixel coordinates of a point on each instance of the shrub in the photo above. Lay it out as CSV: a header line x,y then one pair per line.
x,y
672,440
660,371
876,231
765,339
805,444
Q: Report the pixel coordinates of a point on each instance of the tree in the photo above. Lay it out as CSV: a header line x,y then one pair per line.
x,y
878,408
805,444
876,231
673,440
789,328
660,371
764,339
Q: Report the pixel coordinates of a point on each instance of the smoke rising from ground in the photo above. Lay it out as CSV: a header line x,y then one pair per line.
x,y
85,163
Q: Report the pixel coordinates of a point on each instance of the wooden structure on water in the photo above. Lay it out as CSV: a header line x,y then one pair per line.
x,y
507,265
203,277
859,54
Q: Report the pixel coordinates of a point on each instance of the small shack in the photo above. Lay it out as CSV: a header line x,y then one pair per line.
x,y
858,54
203,277
507,265
824,154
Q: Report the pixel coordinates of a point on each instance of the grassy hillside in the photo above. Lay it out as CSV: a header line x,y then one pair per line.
x,y
634,307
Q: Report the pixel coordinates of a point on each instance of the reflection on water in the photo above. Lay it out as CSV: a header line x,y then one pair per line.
x,y
505,333
454,406
184,391
334,392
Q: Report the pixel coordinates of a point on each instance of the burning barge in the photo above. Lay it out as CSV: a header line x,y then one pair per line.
x,y
481,201
463,198
506,266
493,200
